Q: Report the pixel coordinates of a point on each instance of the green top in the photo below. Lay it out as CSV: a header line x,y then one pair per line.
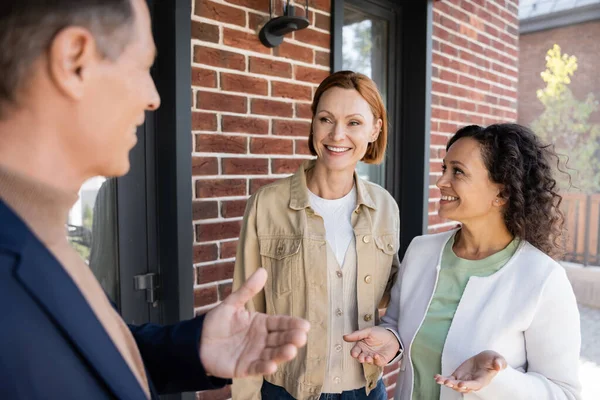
x,y
426,350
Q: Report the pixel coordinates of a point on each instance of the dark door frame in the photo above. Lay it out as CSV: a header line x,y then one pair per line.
x,y
173,158
409,103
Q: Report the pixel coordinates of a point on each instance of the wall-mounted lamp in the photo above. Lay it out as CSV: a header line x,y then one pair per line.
x,y
271,35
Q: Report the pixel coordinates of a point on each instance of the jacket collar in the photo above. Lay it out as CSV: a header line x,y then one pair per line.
x,y
299,197
48,283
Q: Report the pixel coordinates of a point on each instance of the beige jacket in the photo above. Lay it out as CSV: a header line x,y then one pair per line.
x,y
282,234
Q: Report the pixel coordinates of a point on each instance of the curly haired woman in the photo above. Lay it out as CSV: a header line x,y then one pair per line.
x,y
484,311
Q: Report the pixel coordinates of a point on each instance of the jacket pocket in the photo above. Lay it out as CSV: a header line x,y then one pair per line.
x,y
387,248
280,257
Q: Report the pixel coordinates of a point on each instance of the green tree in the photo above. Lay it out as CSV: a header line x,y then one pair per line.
x,y
87,217
565,122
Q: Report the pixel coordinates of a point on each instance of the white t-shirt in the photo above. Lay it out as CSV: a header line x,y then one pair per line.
x,y
337,215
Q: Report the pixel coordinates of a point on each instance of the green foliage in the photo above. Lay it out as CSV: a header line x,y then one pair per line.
x,y
565,122
87,217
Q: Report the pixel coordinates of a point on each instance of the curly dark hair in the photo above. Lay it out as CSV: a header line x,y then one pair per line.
x,y
516,159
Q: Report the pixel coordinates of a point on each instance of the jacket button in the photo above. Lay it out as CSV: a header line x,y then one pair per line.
x,y
390,246
339,274
368,279
366,239
368,317
339,312
337,379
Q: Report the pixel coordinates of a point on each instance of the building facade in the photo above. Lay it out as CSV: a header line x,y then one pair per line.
x,y
251,104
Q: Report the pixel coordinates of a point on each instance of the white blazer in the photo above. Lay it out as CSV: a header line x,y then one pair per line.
x,y
526,311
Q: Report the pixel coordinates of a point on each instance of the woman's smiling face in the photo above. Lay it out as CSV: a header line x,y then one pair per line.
x,y
467,191
343,128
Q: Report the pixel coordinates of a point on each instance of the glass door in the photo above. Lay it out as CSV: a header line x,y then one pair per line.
x,y
365,49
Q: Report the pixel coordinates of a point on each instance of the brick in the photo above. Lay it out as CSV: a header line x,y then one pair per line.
x,y
228,249
205,32
205,209
308,74
205,252
204,77
301,147
271,107
323,21
435,167
322,58
244,83
313,37
221,144
214,272
233,208
245,166
258,5
391,379
205,166
435,219
323,5
232,123
221,102
220,188
205,296
202,121
218,231
256,21
271,146
256,184
244,40
300,12
434,193
220,394
264,66
224,290
219,58
291,128
220,12
390,368
291,91
286,165
294,52
303,111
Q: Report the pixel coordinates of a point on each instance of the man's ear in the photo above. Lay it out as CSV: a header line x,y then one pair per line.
x,y
71,56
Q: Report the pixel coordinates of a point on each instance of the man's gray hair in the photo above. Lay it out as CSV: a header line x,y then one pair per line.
x,y
28,27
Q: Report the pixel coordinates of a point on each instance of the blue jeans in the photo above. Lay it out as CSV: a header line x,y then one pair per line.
x,y
272,392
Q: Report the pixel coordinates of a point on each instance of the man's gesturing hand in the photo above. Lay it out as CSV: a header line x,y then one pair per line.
x,y
236,343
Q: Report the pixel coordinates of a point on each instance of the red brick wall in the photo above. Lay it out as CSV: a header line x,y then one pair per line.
x,y
250,120
474,75
579,40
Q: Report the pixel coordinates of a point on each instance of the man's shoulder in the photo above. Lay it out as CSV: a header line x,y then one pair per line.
x,y
13,231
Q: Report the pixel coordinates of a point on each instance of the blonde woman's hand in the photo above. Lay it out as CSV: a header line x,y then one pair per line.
x,y
475,373
373,345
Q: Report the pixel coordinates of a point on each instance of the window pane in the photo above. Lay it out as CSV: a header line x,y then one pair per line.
x,y
92,231
365,50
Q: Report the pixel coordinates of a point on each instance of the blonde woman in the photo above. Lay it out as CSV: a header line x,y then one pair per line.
x,y
328,240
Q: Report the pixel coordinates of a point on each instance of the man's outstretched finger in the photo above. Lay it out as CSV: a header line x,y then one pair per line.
x,y
248,290
285,323
279,354
262,367
296,337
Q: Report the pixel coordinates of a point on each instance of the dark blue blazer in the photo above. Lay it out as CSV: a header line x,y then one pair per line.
x,y
53,347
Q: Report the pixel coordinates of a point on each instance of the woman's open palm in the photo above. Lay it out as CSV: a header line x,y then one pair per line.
x,y
373,345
